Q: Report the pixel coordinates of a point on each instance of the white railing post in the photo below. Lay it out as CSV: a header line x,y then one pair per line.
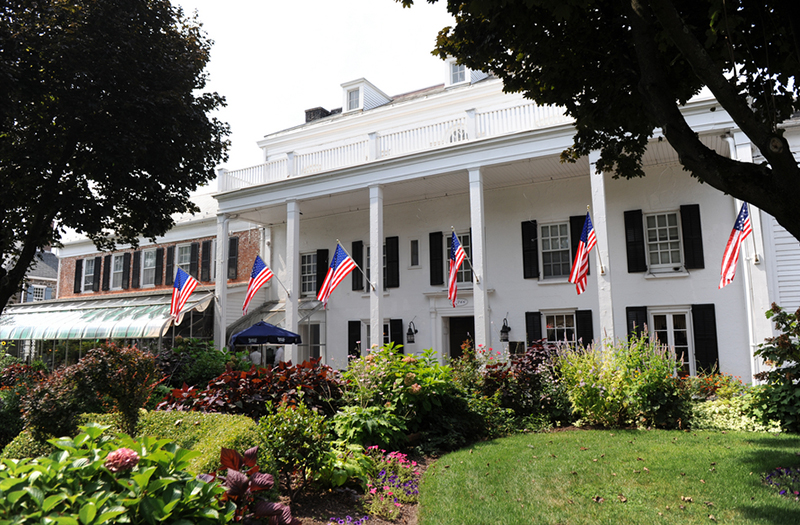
x,y
290,165
222,179
472,128
374,142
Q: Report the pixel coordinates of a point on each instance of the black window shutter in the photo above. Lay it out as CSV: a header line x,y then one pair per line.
x,y
392,262
96,275
634,241
396,332
106,273
76,285
584,330
233,258
637,319
322,267
704,325
436,241
357,253
533,327
576,223
169,276
205,262
126,270
159,266
692,236
194,259
530,251
354,338
137,266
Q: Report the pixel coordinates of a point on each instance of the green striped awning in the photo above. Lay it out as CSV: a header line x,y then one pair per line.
x,y
129,317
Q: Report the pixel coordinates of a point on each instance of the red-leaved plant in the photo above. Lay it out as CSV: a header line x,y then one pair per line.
x,y
242,482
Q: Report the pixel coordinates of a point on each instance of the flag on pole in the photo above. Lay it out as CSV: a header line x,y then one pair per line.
x,y
258,277
182,289
741,229
580,267
341,265
457,256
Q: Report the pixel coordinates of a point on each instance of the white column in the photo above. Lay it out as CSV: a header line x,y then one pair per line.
x,y
755,281
376,263
601,253
293,274
221,283
483,333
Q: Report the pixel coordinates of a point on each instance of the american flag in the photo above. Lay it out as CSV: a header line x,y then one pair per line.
x,y
741,229
457,257
182,289
580,267
341,265
260,275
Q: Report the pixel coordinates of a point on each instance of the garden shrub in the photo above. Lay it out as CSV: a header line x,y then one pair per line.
x,y
15,381
195,362
298,439
713,385
783,381
99,479
247,392
628,383
736,413
344,463
370,425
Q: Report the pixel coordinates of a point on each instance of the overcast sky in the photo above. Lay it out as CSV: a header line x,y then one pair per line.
x,y
272,60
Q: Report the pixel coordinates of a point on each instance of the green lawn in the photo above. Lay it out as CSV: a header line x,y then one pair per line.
x,y
612,477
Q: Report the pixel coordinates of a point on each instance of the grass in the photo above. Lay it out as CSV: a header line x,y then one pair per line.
x,y
612,477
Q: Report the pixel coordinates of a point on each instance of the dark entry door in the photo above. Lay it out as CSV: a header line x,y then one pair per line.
x,y
461,329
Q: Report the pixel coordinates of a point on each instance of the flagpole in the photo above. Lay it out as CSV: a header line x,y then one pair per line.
x,y
288,293
357,266
477,277
599,259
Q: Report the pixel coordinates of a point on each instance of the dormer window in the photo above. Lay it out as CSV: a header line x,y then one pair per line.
x,y
458,73
353,97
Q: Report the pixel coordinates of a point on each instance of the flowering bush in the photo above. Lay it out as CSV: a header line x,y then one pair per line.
x,y
395,484
785,480
783,381
713,386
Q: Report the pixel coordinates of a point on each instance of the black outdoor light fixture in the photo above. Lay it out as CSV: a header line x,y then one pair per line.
x,y
504,331
412,329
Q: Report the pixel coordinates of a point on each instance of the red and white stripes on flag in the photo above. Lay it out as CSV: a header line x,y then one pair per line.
x,y
580,267
457,256
258,277
341,265
181,290
741,229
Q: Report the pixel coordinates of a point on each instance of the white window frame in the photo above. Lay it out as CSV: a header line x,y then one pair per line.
x,y
145,269
675,249
38,292
86,286
458,73
353,99
413,250
308,273
465,271
688,360
116,274
557,316
542,264
187,250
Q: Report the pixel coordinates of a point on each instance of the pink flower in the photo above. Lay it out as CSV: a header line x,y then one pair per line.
x,y
122,459
373,490
397,505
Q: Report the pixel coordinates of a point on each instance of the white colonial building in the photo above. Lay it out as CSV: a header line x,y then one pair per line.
x,y
391,177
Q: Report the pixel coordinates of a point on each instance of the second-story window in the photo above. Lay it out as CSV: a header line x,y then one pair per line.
x,y
458,73
116,272
465,271
148,268
353,101
308,273
184,257
555,250
88,274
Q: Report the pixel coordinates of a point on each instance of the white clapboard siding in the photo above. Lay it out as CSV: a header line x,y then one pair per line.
x,y
787,265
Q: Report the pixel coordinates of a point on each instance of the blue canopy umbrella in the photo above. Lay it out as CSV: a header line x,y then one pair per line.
x,y
264,333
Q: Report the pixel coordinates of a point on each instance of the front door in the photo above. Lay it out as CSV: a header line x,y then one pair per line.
x,y
461,329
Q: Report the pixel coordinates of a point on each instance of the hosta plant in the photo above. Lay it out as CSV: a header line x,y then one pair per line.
x,y
244,484
94,479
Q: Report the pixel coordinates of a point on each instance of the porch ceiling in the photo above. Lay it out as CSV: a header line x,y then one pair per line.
x,y
498,176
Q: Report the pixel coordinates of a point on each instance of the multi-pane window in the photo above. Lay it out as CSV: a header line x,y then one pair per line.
x,y
116,271
672,329
662,231
368,256
352,99
184,257
88,274
38,293
464,274
458,73
148,267
308,273
555,250
560,327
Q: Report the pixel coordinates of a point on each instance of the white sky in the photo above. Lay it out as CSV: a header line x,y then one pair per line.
x,y
272,59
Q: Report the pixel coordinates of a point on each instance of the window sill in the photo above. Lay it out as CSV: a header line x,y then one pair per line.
x,y
555,280
666,274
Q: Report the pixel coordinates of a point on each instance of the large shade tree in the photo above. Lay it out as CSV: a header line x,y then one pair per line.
x,y
104,128
622,69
